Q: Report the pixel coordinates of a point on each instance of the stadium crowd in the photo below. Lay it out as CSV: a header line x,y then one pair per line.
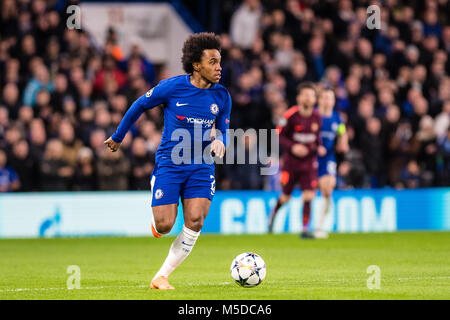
x,y
61,95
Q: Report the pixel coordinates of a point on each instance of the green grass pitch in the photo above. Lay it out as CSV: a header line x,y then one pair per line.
x,y
414,265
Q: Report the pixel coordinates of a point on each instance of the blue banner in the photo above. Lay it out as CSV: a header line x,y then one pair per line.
x,y
380,210
231,212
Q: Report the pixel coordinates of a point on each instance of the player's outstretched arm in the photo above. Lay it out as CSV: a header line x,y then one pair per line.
x,y
133,113
151,99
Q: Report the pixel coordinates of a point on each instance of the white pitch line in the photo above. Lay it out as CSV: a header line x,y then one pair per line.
x,y
220,283
62,288
424,278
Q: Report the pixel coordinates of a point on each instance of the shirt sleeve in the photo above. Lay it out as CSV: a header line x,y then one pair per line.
x,y
285,136
151,99
223,121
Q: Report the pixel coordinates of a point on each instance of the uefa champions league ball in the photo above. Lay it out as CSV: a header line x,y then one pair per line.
x,y
248,269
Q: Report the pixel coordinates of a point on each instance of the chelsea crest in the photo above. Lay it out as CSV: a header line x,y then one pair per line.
x,y
214,108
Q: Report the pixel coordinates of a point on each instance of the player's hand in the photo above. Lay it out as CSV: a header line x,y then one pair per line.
x,y
321,151
217,148
299,150
112,145
342,147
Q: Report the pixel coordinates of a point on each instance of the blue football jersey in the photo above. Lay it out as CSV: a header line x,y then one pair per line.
x,y
189,116
329,131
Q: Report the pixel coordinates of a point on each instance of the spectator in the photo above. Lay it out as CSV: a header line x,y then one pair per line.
x,y
141,165
246,175
13,134
11,99
446,39
22,162
71,145
38,139
4,123
426,137
84,94
96,140
316,57
28,52
103,121
86,125
138,62
442,123
43,108
372,149
60,92
402,145
113,170
40,80
297,73
431,25
351,171
233,68
25,116
109,79
8,18
112,47
410,176
53,51
55,173
9,181
245,23
444,158
85,178
285,53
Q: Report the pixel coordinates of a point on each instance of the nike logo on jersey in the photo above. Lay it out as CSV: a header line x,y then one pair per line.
x,y
180,104
187,244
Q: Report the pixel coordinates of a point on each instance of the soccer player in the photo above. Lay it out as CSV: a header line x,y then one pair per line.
x,y
333,131
300,140
193,103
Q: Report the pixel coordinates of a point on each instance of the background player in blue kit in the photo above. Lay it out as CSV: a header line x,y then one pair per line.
x,y
332,131
193,104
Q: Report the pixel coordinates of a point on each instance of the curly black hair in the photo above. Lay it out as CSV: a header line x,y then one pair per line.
x,y
193,48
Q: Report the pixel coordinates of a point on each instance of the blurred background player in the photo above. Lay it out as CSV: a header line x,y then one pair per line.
x,y
195,96
333,130
300,140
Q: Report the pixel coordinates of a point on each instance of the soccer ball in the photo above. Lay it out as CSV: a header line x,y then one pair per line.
x,y
248,269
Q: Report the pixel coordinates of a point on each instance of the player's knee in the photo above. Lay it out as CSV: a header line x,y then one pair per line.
x,y
195,223
163,226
